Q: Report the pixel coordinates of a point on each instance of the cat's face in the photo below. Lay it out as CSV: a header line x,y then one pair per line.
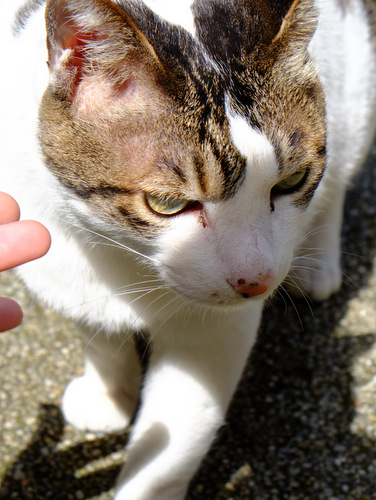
x,y
209,157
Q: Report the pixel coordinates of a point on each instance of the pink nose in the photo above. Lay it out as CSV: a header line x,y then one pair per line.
x,y
249,289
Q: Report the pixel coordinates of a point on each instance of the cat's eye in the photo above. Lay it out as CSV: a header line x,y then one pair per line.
x,y
291,183
163,205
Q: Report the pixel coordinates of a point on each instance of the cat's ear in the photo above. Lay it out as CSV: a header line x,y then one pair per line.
x,y
94,41
298,25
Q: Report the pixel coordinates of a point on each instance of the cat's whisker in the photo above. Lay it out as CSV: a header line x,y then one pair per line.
x,y
183,304
316,270
296,267
92,338
305,252
278,295
114,243
147,290
167,292
314,231
346,279
127,336
293,282
175,311
148,293
105,244
190,310
294,306
159,297
116,293
141,284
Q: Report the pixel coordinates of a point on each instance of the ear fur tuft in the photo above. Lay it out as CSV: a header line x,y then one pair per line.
x,y
299,24
91,37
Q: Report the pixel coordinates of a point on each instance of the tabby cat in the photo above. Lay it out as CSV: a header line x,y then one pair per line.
x,y
188,157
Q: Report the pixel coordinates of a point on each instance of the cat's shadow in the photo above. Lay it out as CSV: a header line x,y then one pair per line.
x,y
288,433
43,471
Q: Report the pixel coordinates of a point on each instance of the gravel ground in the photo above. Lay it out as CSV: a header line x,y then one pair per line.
x,y
302,424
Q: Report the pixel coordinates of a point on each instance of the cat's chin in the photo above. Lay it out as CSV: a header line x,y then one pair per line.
x,y
238,304
216,301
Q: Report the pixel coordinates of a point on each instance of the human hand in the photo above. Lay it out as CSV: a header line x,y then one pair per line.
x,y
20,242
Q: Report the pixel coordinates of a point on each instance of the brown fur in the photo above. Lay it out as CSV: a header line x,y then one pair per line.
x,y
117,122
290,107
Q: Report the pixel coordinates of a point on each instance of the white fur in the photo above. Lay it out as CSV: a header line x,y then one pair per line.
x,y
344,52
198,353
178,13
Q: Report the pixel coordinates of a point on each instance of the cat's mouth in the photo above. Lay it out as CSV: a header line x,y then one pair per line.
x,y
237,295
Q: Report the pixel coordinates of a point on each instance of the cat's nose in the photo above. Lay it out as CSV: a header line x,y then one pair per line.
x,y
250,289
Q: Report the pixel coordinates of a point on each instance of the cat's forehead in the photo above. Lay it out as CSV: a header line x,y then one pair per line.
x,y
239,51
159,116
278,97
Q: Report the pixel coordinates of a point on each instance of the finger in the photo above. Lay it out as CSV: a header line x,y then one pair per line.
x,y
10,314
9,209
21,242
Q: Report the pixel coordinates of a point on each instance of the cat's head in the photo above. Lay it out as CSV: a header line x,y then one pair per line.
x,y
207,146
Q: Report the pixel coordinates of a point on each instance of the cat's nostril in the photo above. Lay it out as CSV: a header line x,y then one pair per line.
x,y
252,289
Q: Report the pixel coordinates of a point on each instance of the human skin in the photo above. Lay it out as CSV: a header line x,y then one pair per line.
x,y
20,242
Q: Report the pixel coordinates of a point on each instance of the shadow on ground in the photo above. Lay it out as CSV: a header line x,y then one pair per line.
x,y
42,471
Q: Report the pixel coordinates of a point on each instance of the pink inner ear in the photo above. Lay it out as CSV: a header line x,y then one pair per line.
x,y
76,41
90,93
76,60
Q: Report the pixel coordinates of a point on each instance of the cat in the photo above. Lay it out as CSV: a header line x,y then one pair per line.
x,y
188,158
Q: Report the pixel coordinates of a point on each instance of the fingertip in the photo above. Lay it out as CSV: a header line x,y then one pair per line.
x,y
9,209
21,242
11,314
41,236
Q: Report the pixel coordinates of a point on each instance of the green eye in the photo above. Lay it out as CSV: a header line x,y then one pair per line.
x,y
291,183
166,205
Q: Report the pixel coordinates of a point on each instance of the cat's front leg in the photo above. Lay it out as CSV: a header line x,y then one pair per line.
x,y
316,268
105,397
192,375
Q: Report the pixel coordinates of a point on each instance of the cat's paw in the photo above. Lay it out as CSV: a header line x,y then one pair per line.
x,y
318,278
89,407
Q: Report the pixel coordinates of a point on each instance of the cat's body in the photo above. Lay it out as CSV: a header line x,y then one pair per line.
x,y
181,168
